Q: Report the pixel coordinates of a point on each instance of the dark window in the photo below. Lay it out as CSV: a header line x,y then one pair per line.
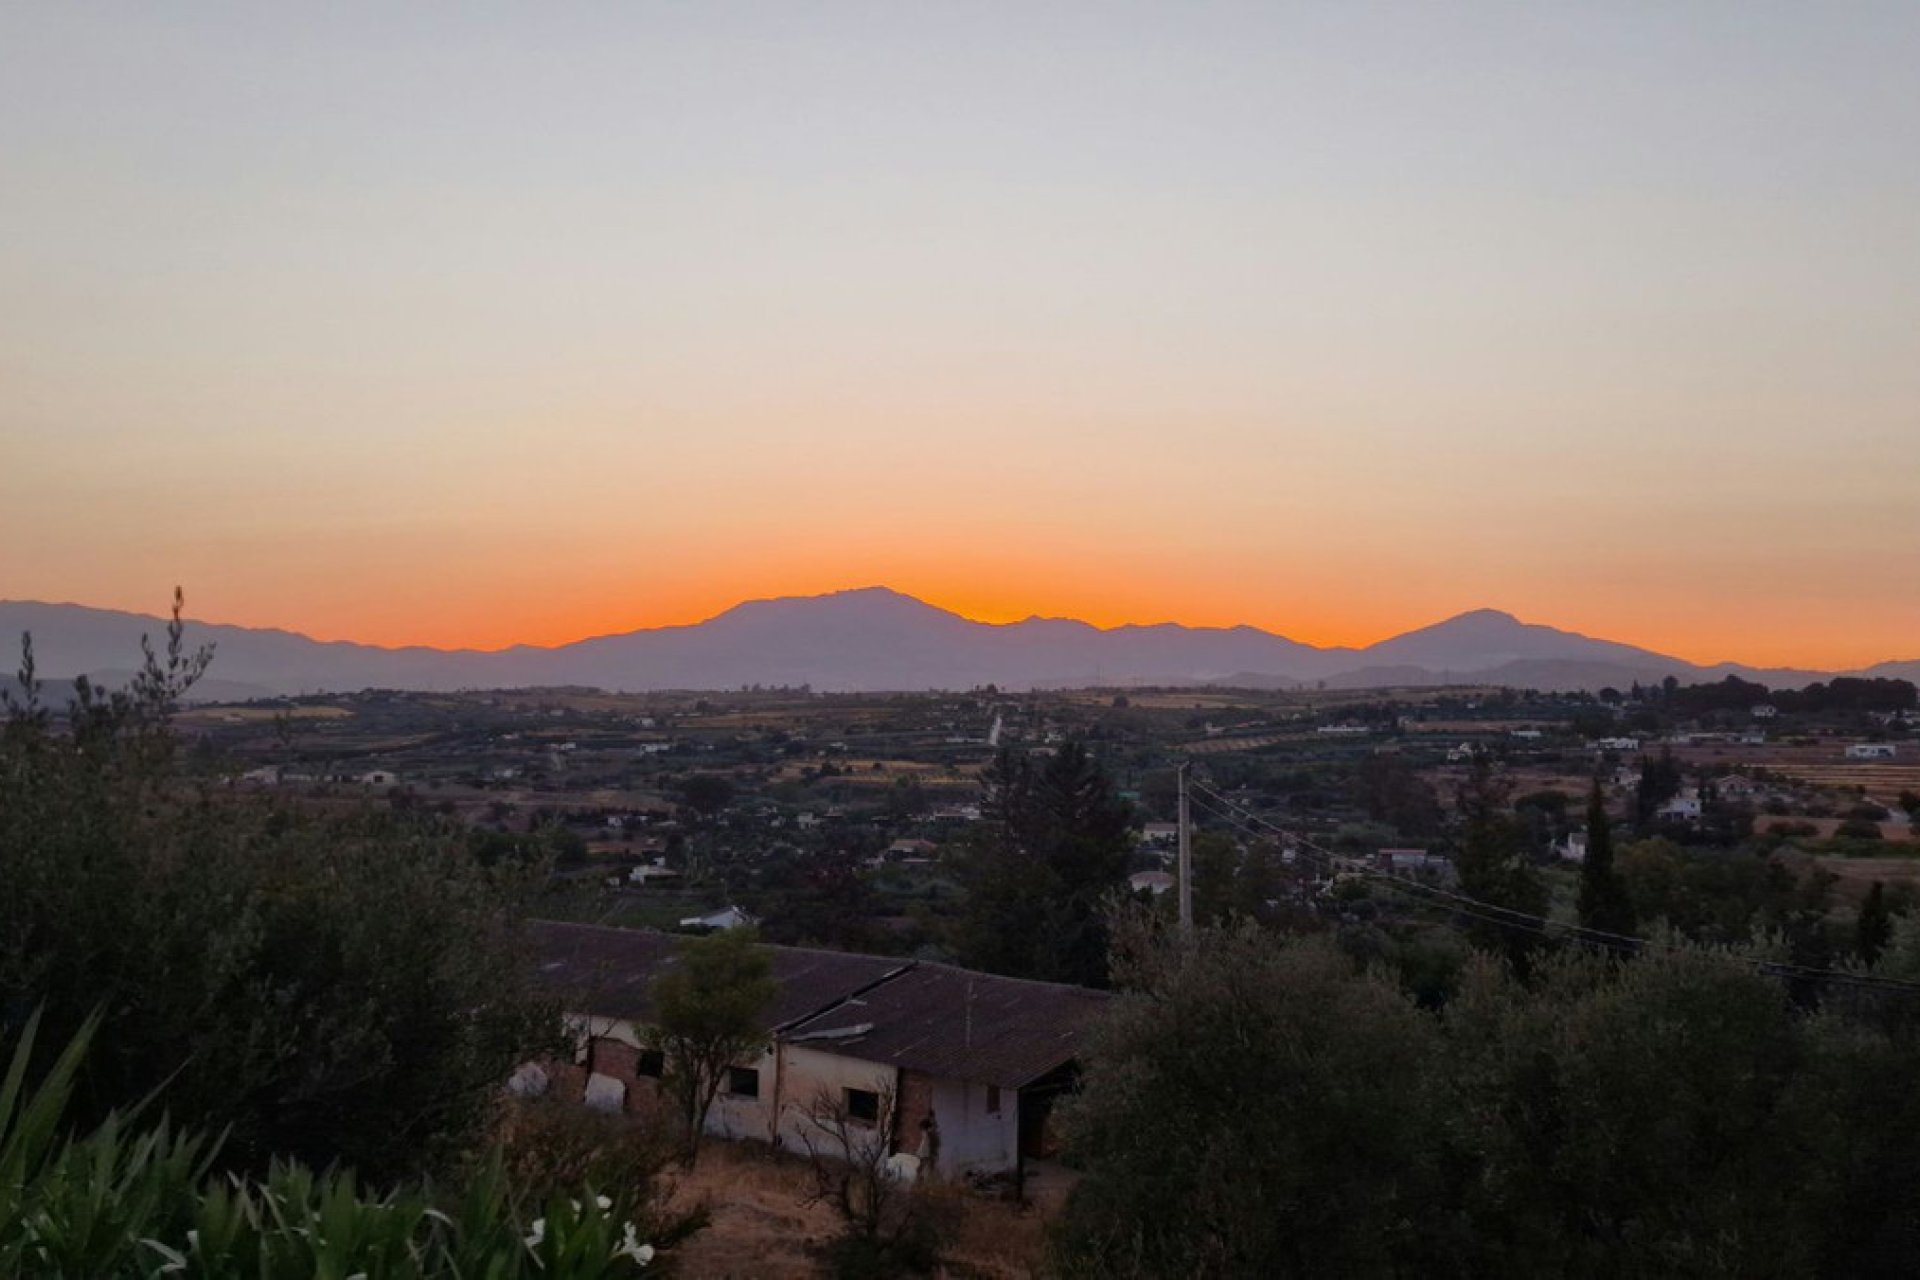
x,y
652,1063
863,1105
993,1099
743,1082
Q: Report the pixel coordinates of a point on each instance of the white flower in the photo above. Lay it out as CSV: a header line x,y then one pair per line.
x,y
631,1247
605,1202
538,1234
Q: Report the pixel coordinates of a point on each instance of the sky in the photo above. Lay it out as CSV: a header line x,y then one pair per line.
x,y
483,324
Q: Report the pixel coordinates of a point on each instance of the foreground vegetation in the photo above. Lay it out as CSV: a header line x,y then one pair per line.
x,y
137,1197
205,1001
329,986
1261,1105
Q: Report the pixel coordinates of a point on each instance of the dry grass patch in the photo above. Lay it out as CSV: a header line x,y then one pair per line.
x,y
763,1228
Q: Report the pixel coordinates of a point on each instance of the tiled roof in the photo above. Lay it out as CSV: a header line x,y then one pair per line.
x,y
929,1018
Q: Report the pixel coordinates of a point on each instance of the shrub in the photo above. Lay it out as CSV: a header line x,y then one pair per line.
x,y
335,988
891,1223
1260,1106
1252,1108
126,1199
549,1146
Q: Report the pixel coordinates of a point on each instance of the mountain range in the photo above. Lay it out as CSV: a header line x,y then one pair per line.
x,y
878,639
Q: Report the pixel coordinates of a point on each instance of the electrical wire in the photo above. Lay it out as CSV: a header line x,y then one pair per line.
x,y
1493,913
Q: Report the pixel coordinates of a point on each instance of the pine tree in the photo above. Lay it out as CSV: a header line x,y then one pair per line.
x,y
1603,895
1038,877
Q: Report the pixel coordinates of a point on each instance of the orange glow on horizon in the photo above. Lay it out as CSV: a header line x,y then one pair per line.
x,y
1806,643
615,322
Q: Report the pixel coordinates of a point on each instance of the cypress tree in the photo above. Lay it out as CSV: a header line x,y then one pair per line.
x,y
1874,929
1603,896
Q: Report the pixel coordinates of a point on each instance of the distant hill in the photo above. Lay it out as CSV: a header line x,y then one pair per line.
x,y
879,639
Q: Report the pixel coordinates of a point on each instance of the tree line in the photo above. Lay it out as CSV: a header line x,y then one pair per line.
x,y
1311,1094
1840,694
207,996
1264,1105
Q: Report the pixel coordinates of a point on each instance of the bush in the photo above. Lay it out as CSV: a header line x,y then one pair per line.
x,y
1259,1106
549,1147
1251,1108
334,988
125,1200
915,1251
890,1225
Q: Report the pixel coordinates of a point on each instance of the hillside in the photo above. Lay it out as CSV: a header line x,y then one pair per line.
x,y
879,639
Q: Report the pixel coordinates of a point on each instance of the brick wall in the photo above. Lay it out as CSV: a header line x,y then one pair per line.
x,y
567,1080
621,1060
914,1104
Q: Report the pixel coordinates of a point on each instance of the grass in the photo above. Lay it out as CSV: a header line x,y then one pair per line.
x,y
763,1228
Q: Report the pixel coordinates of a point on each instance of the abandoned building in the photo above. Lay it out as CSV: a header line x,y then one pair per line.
x,y
985,1057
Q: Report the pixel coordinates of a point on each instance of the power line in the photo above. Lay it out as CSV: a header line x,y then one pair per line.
x,y
1415,889
1507,917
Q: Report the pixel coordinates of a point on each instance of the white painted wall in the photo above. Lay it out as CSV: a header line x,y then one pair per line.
x,y
586,1026
736,1117
806,1073
731,1117
971,1137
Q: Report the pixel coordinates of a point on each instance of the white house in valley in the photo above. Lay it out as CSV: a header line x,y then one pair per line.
x,y
1685,807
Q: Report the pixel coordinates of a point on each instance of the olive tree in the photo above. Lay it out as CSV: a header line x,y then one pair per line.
x,y
1250,1106
337,987
709,1011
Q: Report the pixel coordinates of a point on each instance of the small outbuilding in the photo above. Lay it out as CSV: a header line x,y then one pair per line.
x,y
981,1058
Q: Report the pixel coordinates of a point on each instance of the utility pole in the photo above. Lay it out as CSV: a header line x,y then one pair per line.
x,y
1186,858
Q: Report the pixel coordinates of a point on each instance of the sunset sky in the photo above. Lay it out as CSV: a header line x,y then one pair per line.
x,y
476,324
